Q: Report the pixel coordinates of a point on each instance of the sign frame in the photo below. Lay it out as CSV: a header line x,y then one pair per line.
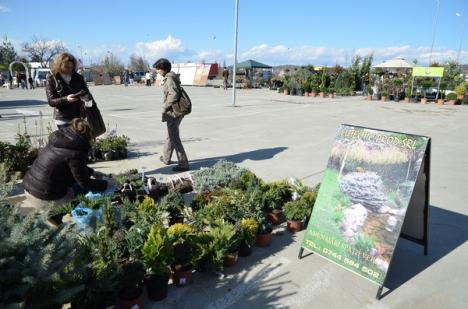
x,y
419,206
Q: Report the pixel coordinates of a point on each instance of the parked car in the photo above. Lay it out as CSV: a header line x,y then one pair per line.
x,y
138,76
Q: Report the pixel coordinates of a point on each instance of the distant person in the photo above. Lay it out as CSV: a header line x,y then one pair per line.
x,y
60,172
24,84
148,78
10,80
18,79
132,78
31,82
126,78
66,90
365,84
171,93
225,78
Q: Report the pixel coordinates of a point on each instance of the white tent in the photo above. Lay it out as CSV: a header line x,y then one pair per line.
x,y
395,63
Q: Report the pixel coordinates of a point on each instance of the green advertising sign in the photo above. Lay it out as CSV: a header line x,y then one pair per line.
x,y
428,71
363,198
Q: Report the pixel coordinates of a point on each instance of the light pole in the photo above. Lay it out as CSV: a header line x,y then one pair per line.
x,y
434,32
234,67
81,55
461,37
212,38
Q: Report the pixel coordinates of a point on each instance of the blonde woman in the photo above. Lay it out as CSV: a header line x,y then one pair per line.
x,y
66,90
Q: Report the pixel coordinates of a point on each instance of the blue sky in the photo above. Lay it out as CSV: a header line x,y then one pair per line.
x,y
274,31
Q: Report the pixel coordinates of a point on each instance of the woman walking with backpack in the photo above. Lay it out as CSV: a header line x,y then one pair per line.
x,y
172,94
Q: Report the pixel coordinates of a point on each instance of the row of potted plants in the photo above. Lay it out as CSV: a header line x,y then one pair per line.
x,y
450,99
110,147
129,242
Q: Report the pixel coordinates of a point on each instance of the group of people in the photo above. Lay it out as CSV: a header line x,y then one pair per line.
x,y
60,172
21,80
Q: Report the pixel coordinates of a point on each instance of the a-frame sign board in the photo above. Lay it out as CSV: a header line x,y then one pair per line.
x,y
375,190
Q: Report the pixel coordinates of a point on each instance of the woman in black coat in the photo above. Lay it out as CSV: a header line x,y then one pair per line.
x,y
60,170
66,90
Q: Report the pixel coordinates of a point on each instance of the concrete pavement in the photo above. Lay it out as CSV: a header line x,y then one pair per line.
x,y
278,136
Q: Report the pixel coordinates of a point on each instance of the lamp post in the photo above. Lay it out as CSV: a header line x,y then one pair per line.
x,y
434,32
234,67
81,55
212,38
461,37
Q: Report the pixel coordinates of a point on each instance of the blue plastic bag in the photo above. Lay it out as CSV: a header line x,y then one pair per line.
x,y
86,218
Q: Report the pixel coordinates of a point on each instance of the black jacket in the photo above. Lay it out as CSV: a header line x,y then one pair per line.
x,y
57,91
59,165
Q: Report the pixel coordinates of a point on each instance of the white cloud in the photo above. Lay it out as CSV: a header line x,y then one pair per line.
x,y
168,47
4,9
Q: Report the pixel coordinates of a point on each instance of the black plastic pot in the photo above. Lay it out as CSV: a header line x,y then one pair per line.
x,y
245,249
123,154
108,156
156,287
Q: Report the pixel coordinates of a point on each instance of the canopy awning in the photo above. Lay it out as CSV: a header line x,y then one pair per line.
x,y
252,64
395,63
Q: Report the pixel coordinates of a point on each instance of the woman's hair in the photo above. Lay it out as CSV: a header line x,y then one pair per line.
x,y
82,127
61,60
163,64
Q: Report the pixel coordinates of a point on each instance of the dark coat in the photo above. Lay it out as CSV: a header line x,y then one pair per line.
x,y
61,164
57,91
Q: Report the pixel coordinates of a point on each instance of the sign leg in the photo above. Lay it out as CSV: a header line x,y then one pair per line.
x,y
379,293
300,253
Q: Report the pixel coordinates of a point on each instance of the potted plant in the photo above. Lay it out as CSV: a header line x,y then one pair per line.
x,y
397,83
331,92
233,246
384,96
461,90
216,241
285,88
250,229
451,97
323,91
295,212
264,234
407,94
182,238
370,92
158,256
173,203
130,294
307,88
426,85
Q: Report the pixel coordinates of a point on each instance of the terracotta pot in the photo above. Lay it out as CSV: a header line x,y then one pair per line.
x,y
245,249
313,94
440,101
369,97
285,92
460,97
134,302
156,287
294,226
182,277
275,217
383,99
451,102
231,259
331,95
423,101
306,94
263,240
407,100
321,94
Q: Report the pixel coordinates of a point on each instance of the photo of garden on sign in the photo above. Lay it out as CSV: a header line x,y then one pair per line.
x,y
363,198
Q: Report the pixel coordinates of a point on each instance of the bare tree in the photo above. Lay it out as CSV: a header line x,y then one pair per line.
x,y
112,65
43,50
137,63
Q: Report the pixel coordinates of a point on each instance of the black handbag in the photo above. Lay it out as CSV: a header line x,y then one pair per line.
x,y
94,119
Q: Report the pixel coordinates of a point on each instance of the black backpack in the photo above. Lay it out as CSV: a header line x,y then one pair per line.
x,y
184,105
